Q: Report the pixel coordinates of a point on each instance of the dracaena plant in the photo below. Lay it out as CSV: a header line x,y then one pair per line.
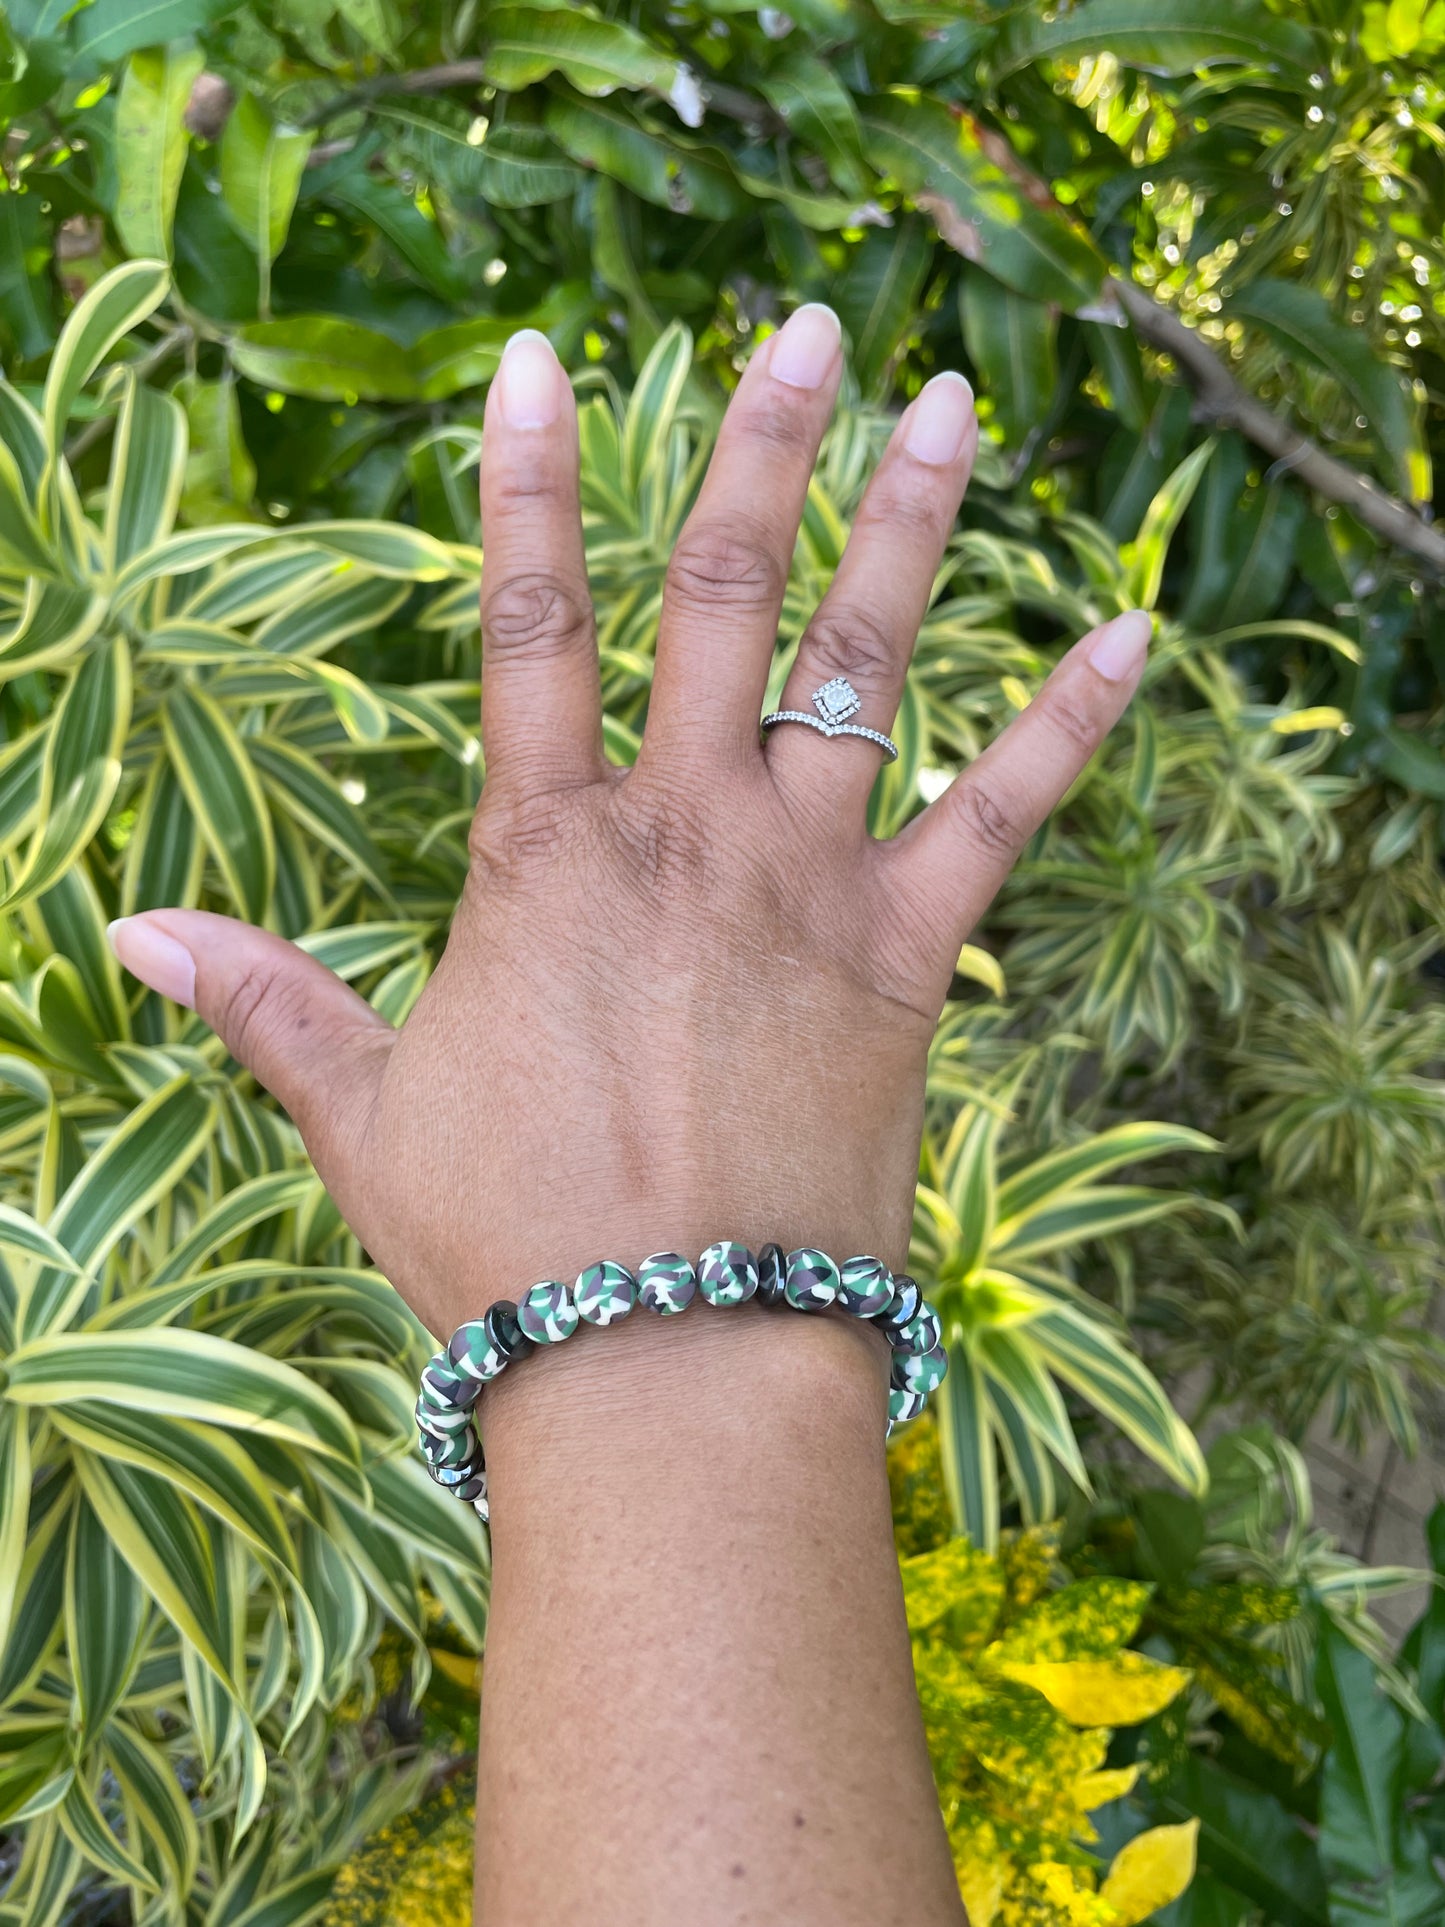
x,y
991,1236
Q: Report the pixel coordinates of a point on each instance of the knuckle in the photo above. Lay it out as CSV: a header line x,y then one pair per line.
x,y
1074,728
855,644
665,843
733,566
988,821
254,1011
512,840
541,613
783,427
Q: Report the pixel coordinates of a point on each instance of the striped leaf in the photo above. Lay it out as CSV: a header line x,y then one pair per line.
x,y
117,302
184,1374
14,1508
970,1473
154,1800
163,858
147,468
103,1648
214,770
91,1835
81,767
1085,1163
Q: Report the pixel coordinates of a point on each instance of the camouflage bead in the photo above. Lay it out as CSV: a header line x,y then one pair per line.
x,y
904,1405
920,1334
504,1330
483,1504
451,1450
604,1293
447,1386
433,1417
547,1315
920,1371
727,1274
812,1280
772,1274
865,1287
666,1282
906,1304
473,1355
452,1476
471,1489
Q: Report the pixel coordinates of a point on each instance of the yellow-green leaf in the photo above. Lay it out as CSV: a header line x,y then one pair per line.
x,y
151,142
1118,1691
1150,1871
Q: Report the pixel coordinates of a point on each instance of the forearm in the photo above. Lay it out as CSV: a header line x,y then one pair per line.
x,y
698,1701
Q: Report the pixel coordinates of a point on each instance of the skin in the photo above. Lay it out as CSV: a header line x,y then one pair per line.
x,y
688,1001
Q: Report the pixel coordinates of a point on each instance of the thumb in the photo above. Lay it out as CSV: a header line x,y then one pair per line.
x,y
311,1040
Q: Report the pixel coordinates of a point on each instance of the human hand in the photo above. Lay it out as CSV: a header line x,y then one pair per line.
x,y
693,999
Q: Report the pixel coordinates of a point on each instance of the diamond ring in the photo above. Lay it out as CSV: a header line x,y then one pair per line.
x,y
835,702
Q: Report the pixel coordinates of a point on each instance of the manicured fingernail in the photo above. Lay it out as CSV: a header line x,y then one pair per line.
x,y
158,960
938,420
1119,649
806,346
530,381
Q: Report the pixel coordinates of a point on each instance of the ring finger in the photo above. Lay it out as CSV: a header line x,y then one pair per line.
x,y
866,625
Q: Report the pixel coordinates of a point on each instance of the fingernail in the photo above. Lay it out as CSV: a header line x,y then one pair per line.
x,y
158,960
938,420
806,346
530,380
1119,649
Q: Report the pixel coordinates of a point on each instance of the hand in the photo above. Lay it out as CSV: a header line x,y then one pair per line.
x,y
693,999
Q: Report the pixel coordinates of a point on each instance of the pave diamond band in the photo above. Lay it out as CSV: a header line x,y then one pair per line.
x,y
835,701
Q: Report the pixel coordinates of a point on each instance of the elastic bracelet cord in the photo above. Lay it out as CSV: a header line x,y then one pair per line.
x,y
805,1280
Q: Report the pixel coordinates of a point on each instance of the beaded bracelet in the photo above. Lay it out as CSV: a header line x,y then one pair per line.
x,y
726,1274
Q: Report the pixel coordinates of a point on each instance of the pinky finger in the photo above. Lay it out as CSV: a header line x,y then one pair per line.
x,y
951,861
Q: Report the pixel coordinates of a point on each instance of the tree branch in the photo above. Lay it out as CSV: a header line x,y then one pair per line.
x,y
1224,402
425,80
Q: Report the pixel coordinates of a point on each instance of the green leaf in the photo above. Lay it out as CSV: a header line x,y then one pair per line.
x,y
680,176
525,44
116,304
1151,547
225,796
1084,1163
14,1508
185,1374
86,1826
1011,342
147,468
1172,40
261,169
522,166
877,299
818,108
155,1797
18,1232
980,209
1302,322
325,357
970,1473
105,30
1250,1842
81,766
162,862
313,799
151,143
22,546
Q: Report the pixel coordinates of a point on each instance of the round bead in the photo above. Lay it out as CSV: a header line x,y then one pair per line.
x,y
920,1334
452,1476
503,1329
471,1489
920,1371
547,1314
454,1449
436,1418
474,1356
772,1274
483,1504
666,1282
727,1273
448,1387
604,1293
812,1280
865,1286
904,1405
906,1304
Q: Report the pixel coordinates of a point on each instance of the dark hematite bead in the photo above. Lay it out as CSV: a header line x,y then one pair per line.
x,y
452,1476
865,1287
772,1274
905,1307
920,1334
504,1331
727,1273
812,1280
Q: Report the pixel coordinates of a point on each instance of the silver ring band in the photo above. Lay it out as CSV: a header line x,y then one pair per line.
x,y
835,701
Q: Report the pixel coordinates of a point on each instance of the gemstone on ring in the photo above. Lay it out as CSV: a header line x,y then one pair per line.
x,y
836,700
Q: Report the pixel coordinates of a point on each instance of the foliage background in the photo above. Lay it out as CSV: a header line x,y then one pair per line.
x,y
1232,926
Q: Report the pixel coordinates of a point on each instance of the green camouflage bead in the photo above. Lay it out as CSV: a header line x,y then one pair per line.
x,y
473,1354
604,1293
727,1273
431,1416
547,1314
447,1385
865,1287
482,1503
666,1282
812,1280
772,1274
454,1449
921,1371
904,1405
921,1334
906,1304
